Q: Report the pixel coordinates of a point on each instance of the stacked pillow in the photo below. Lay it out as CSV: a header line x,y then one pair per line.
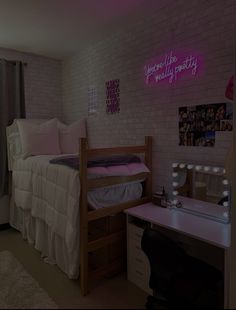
x,y
50,137
69,136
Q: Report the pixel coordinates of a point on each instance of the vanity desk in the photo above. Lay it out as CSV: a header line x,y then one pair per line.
x,y
214,234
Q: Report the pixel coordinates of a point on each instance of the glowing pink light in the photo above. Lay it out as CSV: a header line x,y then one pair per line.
x,y
172,67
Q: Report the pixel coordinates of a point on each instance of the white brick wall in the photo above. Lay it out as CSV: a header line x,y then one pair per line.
x,y
43,94
207,26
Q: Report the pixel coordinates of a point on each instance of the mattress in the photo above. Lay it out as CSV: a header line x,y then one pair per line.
x,y
49,194
35,177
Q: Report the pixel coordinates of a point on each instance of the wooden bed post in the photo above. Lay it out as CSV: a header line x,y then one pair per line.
x,y
86,216
148,163
83,158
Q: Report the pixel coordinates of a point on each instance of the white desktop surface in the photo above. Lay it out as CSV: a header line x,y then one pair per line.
x,y
195,226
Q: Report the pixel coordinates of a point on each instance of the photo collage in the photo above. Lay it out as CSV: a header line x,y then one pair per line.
x,y
198,124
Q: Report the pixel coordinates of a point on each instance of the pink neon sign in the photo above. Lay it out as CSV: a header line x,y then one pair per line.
x,y
171,67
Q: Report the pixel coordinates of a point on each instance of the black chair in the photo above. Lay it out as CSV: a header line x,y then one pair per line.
x,y
177,279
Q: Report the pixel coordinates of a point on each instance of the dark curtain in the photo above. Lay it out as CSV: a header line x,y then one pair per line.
x,y
12,105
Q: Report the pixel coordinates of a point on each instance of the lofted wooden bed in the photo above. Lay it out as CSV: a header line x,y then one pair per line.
x,y
114,236
97,244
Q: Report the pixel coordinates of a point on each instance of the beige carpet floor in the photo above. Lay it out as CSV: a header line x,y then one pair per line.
x,y
114,293
18,290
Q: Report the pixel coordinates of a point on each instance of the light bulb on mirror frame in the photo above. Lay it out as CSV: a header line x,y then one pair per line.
x,y
216,169
225,182
206,168
225,214
225,193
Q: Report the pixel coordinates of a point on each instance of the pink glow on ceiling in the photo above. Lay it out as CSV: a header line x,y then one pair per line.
x,y
98,9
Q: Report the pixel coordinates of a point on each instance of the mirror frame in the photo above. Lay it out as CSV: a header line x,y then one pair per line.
x,y
188,188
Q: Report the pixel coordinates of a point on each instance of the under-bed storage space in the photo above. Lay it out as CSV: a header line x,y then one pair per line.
x,y
107,251
109,259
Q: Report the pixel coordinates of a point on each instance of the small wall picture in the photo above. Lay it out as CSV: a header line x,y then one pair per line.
x,y
226,125
92,100
198,124
113,96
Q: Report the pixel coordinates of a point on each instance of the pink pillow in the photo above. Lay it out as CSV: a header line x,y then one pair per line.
x,y
39,139
122,170
69,136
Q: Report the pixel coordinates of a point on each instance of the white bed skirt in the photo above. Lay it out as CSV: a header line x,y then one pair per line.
x,y
52,247
49,240
45,206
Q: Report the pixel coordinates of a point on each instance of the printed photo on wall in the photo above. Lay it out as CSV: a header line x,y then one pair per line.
x,y
226,125
92,100
198,124
113,96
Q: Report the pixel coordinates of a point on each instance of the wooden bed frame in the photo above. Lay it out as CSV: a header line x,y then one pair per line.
x,y
93,239
87,217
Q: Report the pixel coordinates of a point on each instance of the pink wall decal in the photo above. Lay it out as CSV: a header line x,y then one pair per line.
x,y
229,92
171,67
113,96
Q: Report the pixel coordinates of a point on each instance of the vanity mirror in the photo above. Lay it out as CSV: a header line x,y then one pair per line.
x,y
202,190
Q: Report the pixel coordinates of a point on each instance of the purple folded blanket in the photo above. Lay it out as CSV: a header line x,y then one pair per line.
x,y
72,161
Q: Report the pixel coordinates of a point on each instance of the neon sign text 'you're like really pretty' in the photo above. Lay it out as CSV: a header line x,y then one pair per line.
x,y
171,67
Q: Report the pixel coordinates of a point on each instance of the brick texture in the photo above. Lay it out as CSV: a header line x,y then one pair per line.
x,y
43,94
205,26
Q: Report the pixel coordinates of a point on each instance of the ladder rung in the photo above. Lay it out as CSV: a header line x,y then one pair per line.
x,y
104,241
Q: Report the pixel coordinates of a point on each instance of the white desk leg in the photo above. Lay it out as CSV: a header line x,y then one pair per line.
x,y
226,278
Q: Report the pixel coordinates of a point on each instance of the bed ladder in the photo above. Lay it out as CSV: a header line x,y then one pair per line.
x,y
87,246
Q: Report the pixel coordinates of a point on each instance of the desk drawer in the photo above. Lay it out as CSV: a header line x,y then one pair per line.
x,y
139,266
134,245
137,256
134,232
138,269
137,262
139,279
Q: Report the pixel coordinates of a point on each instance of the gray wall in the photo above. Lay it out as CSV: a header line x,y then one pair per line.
x,y
43,93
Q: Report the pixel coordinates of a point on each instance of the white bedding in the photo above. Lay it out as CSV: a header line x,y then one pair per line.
x,y
46,207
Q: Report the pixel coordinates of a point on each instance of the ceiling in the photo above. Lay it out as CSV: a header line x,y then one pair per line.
x,y
58,28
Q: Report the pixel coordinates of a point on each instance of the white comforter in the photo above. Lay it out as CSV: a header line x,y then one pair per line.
x,y
46,210
50,192
46,193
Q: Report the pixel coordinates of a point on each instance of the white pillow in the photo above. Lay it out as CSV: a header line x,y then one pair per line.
x,y
69,136
39,139
15,144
